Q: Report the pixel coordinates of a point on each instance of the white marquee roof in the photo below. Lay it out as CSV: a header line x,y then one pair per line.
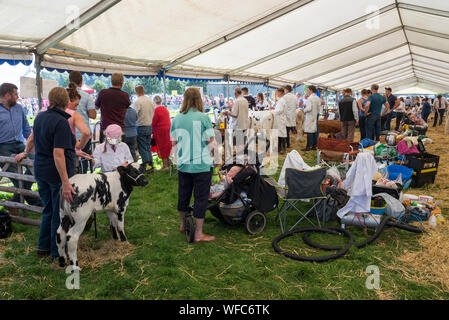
x,y
334,44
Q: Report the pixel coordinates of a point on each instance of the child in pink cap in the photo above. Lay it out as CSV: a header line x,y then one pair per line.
x,y
113,152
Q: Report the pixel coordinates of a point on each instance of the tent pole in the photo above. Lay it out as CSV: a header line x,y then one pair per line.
x,y
165,88
38,79
229,92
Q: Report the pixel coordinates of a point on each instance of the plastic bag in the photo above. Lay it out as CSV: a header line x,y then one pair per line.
x,y
394,207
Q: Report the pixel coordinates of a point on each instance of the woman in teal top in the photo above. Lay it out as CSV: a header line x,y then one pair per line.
x,y
192,136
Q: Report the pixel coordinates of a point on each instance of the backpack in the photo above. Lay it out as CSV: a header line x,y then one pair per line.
x,y
5,224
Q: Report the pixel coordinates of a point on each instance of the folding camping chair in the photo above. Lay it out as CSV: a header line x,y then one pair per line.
x,y
332,151
300,185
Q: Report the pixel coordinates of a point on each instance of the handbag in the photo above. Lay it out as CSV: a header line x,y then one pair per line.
x,y
153,142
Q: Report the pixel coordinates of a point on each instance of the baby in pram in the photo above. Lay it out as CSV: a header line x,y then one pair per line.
x,y
218,188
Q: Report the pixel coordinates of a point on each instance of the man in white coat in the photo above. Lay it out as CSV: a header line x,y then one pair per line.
x,y
292,105
280,122
311,112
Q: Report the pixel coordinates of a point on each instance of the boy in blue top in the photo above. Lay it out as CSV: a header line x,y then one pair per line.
x,y
373,111
192,135
131,131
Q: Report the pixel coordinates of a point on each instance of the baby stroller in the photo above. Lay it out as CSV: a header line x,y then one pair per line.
x,y
245,200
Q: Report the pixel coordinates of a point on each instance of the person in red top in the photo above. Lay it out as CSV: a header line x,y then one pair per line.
x,y
161,131
113,103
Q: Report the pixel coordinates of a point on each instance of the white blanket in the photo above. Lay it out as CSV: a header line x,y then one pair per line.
x,y
358,183
293,160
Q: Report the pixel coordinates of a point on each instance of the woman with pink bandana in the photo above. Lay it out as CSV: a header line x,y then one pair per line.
x,y
113,152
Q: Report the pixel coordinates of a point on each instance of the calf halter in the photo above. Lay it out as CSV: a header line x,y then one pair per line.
x,y
135,179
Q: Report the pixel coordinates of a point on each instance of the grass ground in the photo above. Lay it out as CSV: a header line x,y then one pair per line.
x,y
160,264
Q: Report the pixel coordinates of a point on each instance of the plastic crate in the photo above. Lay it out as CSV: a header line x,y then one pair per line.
x,y
395,170
422,163
421,179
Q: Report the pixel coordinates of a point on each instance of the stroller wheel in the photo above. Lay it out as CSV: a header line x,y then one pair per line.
x,y
189,227
255,222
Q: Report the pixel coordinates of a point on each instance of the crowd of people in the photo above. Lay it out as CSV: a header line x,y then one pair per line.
x,y
373,112
60,141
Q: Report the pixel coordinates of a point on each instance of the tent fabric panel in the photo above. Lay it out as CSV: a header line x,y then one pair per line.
x,y
377,60
425,21
340,40
368,49
385,79
387,82
373,72
270,38
428,40
431,62
399,67
435,55
192,23
36,20
433,4
430,68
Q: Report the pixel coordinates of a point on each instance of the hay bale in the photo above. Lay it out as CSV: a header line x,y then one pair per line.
x,y
93,253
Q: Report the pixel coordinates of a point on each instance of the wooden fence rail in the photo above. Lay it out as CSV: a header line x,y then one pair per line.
x,y
20,177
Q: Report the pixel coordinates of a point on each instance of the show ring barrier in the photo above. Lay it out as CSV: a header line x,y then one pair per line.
x,y
20,177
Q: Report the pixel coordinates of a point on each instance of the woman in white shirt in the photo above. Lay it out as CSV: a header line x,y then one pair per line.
x,y
400,110
262,104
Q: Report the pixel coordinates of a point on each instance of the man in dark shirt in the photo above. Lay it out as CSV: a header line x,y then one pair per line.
x,y
113,103
251,100
54,164
394,102
349,115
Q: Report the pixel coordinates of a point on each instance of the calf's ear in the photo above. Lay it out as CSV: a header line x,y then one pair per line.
x,y
121,170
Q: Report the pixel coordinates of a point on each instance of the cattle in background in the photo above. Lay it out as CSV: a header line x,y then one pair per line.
x,y
299,124
261,120
95,192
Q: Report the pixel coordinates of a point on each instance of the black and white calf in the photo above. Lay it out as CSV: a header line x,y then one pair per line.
x,y
95,192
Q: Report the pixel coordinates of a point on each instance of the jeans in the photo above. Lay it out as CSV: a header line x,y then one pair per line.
x,y
132,144
6,150
362,127
373,127
144,143
86,165
50,194
439,112
386,122
425,115
288,135
312,139
199,183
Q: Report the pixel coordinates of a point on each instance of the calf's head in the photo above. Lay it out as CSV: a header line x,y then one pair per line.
x,y
132,176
